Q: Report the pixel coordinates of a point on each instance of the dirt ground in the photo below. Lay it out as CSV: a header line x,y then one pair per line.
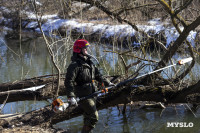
x,y
29,129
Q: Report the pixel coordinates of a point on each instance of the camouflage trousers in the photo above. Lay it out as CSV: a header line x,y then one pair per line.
x,y
90,115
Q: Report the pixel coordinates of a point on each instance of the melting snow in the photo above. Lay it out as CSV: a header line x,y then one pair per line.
x,y
154,26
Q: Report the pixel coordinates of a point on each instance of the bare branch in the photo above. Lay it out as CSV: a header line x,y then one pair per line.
x,y
49,49
132,55
179,42
171,12
185,5
4,103
132,8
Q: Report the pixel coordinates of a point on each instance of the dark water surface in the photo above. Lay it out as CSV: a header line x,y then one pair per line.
x,y
30,59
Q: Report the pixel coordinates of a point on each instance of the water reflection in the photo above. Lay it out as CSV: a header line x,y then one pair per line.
x,y
138,121
19,64
23,106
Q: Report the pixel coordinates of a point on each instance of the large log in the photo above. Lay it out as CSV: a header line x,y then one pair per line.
x,y
44,93
45,116
16,85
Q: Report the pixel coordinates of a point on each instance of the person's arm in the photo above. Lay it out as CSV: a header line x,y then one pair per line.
x,y
70,77
100,78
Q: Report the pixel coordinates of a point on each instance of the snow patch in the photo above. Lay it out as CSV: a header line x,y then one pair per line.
x,y
38,3
191,37
32,25
51,24
5,9
155,21
154,27
33,16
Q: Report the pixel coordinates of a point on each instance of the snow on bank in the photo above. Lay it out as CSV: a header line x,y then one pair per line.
x,y
33,16
154,27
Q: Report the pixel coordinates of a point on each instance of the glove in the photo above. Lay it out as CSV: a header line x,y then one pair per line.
x,y
111,84
73,101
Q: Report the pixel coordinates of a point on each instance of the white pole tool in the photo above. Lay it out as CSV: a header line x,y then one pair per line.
x,y
183,61
180,62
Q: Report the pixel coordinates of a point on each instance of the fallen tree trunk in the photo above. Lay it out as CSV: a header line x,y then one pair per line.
x,y
43,93
36,81
45,116
17,93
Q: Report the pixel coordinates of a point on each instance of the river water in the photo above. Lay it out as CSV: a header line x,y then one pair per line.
x,y
30,59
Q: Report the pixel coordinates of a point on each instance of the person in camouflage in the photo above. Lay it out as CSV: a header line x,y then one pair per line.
x,y
79,82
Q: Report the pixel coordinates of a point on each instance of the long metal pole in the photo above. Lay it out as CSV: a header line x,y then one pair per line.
x,y
180,62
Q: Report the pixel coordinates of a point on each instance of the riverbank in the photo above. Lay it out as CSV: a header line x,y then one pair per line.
x,y
30,129
124,34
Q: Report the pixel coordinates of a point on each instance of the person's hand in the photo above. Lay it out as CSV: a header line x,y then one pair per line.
x,y
111,84
73,101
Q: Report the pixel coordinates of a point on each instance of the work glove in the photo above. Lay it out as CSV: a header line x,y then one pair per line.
x,y
73,101
111,84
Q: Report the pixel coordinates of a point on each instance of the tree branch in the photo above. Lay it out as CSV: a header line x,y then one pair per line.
x,y
171,51
49,49
171,12
185,5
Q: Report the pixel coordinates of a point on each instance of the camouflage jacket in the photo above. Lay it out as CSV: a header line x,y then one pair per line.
x,y
79,76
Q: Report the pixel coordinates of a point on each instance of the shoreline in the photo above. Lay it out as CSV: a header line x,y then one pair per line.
x,y
104,33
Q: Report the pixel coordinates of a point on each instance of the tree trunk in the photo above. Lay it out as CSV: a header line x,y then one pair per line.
x,y
45,116
26,94
36,81
17,93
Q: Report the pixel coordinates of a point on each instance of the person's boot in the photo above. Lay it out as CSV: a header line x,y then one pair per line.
x,y
86,129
